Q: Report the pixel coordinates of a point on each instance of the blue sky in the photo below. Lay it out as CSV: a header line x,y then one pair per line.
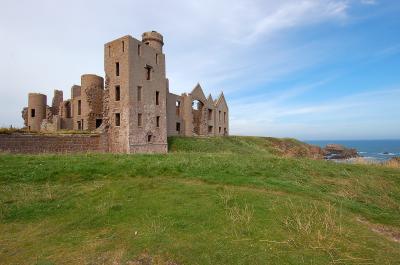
x,y
327,69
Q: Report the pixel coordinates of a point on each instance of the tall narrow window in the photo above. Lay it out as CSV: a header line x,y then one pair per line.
x,y
33,113
149,138
178,127
79,107
219,130
117,93
117,119
178,107
139,49
148,72
139,93
224,116
117,68
157,98
109,51
219,116
139,119
123,46
158,121
209,114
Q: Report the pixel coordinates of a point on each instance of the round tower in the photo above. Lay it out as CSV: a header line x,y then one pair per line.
x,y
153,39
92,88
36,110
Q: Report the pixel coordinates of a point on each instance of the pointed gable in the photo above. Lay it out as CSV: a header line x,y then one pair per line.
x,y
197,93
221,102
210,102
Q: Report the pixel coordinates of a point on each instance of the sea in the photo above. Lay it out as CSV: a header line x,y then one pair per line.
x,y
375,150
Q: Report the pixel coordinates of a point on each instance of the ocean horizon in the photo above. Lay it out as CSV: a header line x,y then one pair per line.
x,y
381,150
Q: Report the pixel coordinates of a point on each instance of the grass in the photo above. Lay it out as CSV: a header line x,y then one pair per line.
x,y
235,200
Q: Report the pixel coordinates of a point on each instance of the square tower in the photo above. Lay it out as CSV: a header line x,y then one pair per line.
x,y
136,84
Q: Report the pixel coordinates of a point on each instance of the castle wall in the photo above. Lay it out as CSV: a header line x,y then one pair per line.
x,y
221,120
174,115
76,107
35,143
149,136
118,134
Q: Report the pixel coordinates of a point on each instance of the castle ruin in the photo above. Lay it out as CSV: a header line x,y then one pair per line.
x,y
131,107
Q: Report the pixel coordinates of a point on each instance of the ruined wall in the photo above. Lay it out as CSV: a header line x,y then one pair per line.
x,y
35,143
57,100
174,115
24,114
76,112
221,117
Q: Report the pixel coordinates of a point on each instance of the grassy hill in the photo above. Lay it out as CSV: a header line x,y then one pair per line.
x,y
234,200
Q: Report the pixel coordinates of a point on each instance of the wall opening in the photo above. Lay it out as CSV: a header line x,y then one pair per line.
x,y
79,107
157,98
148,72
117,68
219,116
178,107
117,93
225,131
209,114
139,93
197,111
123,46
156,58
149,138
117,119
210,129
219,130
68,109
224,116
98,123
33,113
139,120
139,49
79,125
178,127
158,121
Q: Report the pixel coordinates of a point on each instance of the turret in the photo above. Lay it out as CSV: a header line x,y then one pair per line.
x,y
92,87
153,39
36,110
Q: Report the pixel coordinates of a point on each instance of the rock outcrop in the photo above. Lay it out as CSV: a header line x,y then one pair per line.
x,y
337,151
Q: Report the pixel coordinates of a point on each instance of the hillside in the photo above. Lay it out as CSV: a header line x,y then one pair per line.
x,y
234,200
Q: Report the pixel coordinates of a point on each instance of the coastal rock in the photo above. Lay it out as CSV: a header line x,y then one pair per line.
x,y
337,151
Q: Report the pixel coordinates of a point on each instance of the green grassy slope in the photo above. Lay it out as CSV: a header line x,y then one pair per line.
x,y
234,200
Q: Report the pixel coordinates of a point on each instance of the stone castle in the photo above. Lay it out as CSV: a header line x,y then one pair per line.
x,y
132,107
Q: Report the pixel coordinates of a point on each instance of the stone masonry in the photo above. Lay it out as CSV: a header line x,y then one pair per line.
x,y
131,107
